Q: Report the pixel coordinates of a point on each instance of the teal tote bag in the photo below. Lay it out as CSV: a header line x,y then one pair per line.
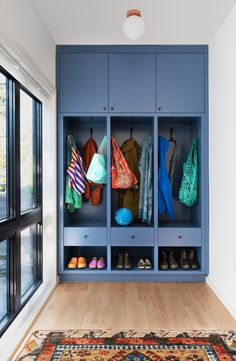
x,y
188,193
97,172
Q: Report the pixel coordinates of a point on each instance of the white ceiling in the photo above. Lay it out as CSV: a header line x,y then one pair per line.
x,y
100,21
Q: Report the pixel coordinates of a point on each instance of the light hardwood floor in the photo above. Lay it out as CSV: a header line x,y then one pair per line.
x,y
133,306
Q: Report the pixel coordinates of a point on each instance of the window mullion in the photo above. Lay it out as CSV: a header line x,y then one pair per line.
x,y
11,148
17,153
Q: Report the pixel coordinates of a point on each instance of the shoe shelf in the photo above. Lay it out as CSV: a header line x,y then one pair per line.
x,y
126,259
180,260
87,253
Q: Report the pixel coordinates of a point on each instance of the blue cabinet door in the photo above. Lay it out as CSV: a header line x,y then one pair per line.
x,y
132,82
180,83
83,85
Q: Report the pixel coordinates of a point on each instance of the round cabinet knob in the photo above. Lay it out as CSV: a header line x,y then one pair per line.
x,y
159,109
104,108
112,108
133,236
85,236
180,237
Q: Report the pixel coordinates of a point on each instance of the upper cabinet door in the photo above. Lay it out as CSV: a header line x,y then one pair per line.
x,y
180,83
83,85
132,82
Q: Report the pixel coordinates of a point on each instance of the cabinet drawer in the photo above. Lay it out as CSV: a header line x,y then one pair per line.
x,y
83,236
132,237
174,237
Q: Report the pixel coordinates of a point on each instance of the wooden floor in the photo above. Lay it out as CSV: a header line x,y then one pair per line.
x,y
133,306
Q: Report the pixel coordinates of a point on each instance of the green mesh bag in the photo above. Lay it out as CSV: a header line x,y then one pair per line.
x,y
188,193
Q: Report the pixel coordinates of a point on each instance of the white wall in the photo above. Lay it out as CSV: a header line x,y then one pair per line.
x,y
222,84
31,45
21,24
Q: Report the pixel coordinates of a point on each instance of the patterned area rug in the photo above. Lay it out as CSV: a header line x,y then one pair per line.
x,y
100,345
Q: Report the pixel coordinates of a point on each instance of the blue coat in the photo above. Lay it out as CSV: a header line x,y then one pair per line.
x,y
165,204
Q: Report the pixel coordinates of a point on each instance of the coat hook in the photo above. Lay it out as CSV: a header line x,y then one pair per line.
x,y
131,133
171,134
91,132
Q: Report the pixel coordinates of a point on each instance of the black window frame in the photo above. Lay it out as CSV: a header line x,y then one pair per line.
x,y
10,228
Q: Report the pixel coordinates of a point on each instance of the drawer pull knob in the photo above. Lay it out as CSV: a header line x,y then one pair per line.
x,y
180,237
85,236
112,108
104,108
159,109
133,236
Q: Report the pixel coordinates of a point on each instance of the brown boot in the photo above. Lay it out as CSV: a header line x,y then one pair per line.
x,y
163,264
172,261
193,259
184,261
120,261
127,264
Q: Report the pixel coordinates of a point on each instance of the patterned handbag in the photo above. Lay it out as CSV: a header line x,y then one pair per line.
x,y
188,193
121,176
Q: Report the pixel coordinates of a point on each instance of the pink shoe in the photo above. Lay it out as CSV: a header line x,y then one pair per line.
x,y
101,263
93,263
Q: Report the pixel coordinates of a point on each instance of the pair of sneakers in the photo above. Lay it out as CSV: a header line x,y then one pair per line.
x,y
144,264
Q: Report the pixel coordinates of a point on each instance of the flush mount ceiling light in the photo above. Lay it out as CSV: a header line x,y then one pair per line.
x,y
133,26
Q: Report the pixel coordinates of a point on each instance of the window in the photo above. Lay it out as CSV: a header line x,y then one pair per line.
x,y
27,152
28,259
20,197
4,213
3,279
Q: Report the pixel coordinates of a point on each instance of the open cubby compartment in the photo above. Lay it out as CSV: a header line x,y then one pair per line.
x,y
177,251
184,130
122,128
135,253
80,127
84,251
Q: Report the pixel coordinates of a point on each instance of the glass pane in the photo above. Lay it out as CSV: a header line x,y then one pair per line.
x,y
3,148
3,279
27,163
28,259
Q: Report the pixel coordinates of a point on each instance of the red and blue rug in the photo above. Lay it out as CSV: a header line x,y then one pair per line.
x,y
100,345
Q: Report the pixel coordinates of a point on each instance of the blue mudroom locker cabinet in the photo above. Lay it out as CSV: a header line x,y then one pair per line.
x,y
153,90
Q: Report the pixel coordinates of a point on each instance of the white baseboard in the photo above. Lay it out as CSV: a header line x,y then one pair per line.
x,y
10,341
222,298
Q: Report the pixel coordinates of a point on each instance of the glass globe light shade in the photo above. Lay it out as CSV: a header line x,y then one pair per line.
x,y
133,26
